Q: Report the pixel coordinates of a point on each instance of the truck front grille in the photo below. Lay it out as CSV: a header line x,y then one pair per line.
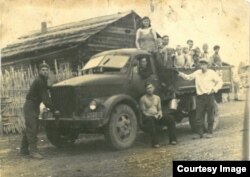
x,y
64,100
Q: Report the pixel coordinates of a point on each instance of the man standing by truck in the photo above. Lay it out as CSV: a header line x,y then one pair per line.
x,y
207,83
37,94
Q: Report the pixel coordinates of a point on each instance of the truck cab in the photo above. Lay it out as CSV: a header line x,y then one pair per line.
x,y
106,98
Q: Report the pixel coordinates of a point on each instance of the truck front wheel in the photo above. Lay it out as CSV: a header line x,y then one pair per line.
x,y
61,135
121,130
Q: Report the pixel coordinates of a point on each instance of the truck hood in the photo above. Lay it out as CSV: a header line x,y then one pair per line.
x,y
93,79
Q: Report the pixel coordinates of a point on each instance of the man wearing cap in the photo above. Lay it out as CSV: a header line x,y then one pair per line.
x,y
38,93
207,83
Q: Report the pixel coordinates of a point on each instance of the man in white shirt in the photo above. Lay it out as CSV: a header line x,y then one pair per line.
x,y
207,82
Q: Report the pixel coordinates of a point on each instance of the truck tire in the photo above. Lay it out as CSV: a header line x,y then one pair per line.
x,y
216,119
60,136
121,130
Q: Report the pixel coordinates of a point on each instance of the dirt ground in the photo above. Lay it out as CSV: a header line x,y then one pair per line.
x,y
91,157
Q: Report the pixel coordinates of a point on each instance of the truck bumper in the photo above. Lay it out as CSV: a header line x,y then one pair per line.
x,y
89,120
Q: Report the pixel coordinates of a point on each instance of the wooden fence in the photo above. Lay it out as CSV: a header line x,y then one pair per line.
x,y
15,85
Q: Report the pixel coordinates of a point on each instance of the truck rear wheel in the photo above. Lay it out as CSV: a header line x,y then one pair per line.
x,y
216,119
121,131
61,135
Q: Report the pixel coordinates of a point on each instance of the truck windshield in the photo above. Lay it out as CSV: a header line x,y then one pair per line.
x,y
107,63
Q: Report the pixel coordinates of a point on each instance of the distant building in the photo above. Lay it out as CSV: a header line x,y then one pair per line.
x,y
71,45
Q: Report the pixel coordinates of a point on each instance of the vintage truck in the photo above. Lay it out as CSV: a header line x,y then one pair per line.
x,y
105,99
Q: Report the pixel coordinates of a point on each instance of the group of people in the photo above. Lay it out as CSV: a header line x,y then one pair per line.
x,y
181,57
207,82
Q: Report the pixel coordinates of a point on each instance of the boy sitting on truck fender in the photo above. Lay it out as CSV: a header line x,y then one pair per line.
x,y
207,82
150,105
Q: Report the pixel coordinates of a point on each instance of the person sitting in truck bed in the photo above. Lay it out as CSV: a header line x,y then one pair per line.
x,y
187,57
196,57
216,59
159,43
190,44
205,53
179,59
167,53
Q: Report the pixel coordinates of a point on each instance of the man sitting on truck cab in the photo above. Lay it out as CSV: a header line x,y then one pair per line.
x,y
207,83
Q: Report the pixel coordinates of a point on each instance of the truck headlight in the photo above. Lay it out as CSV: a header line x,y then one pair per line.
x,y
93,105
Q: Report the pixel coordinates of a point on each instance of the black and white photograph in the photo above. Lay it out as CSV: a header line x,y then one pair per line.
x,y
122,88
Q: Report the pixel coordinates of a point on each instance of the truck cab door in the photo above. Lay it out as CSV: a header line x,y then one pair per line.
x,y
154,77
141,75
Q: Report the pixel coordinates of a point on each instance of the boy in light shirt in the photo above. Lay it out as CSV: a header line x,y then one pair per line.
x,y
188,59
179,59
205,54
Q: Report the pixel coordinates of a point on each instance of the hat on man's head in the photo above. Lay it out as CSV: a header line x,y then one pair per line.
x,y
204,60
44,65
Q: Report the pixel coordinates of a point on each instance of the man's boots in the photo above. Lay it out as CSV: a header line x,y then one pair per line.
x,y
209,133
199,133
24,149
34,152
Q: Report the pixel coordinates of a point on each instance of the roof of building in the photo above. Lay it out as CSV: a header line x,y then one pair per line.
x,y
71,33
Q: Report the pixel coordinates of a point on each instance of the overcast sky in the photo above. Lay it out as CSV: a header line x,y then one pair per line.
x,y
222,22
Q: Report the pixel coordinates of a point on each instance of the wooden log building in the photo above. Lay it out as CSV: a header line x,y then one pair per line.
x,y
71,45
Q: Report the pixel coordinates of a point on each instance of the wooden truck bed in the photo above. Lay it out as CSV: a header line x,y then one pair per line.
x,y
225,72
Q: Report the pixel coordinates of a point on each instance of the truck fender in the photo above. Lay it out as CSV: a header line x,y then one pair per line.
x,y
114,100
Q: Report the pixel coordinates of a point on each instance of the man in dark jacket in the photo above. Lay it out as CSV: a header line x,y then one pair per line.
x,y
38,93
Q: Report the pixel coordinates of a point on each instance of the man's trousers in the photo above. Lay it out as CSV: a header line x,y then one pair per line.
x,y
29,136
205,105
